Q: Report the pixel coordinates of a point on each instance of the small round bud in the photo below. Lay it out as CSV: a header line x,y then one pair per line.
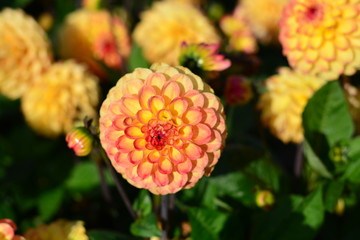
x,y
340,207
80,140
265,199
339,152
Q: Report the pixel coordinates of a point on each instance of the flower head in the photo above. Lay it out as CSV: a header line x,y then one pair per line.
x,y
162,128
237,29
238,90
24,52
166,25
282,105
7,230
93,36
203,56
80,140
66,94
320,37
58,230
263,17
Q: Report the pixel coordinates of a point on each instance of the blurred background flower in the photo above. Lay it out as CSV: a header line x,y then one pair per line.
x,y
202,56
285,100
96,38
263,17
65,95
7,230
58,230
162,128
166,25
238,90
237,29
24,52
322,37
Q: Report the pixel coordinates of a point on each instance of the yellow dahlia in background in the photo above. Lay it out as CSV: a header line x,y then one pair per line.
x,y
66,94
58,230
283,103
166,25
322,37
352,94
237,29
162,128
263,17
7,230
95,37
24,52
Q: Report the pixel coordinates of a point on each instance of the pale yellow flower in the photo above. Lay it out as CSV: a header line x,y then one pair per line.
x,y
66,94
24,52
166,25
58,230
321,37
94,36
282,105
263,17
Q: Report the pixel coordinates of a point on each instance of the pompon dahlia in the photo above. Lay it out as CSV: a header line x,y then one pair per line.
x,y
58,230
93,36
282,105
7,230
24,52
263,17
66,94
166,25
162,128
238,31
321,37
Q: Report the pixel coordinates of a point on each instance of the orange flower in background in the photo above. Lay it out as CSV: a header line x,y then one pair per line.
x,y
263,17
237,29
7,230
162,128
24,52
321,37
58,230
93,36
203,56
166,25
284,102
66,94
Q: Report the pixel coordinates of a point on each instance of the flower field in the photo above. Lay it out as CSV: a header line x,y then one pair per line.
x,y
179,119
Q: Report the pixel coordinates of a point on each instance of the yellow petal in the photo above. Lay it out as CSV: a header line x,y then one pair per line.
x,y
178,106
144,169
170,91
202,134
193,116
145,94
130,105
156,103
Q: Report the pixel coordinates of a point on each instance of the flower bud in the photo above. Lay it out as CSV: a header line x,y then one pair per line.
x,y
80,140
265,199
339,152
238,90
340,207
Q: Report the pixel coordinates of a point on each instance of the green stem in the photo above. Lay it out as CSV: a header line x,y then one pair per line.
x,y
164,213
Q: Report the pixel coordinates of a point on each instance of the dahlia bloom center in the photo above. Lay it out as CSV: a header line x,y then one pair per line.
x,y
313,13
159,135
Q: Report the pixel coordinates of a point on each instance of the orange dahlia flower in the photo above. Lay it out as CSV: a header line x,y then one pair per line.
x,y
24,52
236,27
282,105
321,37
166,25
263,17
58,230
93,36
7,230
66,94
162,128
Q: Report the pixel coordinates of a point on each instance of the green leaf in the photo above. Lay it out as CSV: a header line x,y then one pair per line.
x,y
106,235
315,162
327,113
265,172
49,202
352,172
137,59
235,185
146,227
332,194
142,204
206,224
83,177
